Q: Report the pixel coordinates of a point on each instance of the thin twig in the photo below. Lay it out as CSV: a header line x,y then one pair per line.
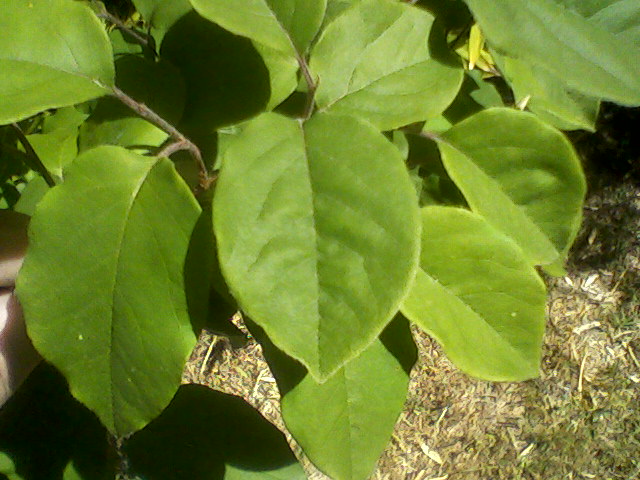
x,y
181,142
312,85
40,168
169,148
123,28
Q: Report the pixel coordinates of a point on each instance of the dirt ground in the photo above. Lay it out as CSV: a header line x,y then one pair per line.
x,y
579,420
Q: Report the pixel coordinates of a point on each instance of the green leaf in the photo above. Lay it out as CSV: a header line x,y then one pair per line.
x,y
477,295
8,468
381,60
548,96
31,196
123,44
334,9
283,74
317,229
156,84
620,17
209,435
65,118
56,149
289,472
344,424
285,25
545,33
161,15
102,286
522,175
52,54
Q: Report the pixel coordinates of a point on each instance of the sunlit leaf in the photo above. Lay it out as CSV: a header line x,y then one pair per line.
x,y
587,57
317,229
56,149
102,286
381,60
52,54
478,296
285,25
522,175
548,96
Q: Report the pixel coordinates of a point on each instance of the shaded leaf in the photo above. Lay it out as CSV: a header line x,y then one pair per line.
x,y
58,44
317,233
586,57
477,295
43,428
382,60
204,434
226,78
102,287
522,175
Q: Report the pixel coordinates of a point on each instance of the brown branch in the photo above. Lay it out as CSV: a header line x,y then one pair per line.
x,y
180,142
312,85
40,168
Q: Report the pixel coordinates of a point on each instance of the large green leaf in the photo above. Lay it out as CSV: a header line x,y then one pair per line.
x,y
344,424
102,286
318,233
589,58
477,295
381,60
522,175
52,54
285,25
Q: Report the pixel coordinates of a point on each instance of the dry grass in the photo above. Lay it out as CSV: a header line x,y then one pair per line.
x,y
578,420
